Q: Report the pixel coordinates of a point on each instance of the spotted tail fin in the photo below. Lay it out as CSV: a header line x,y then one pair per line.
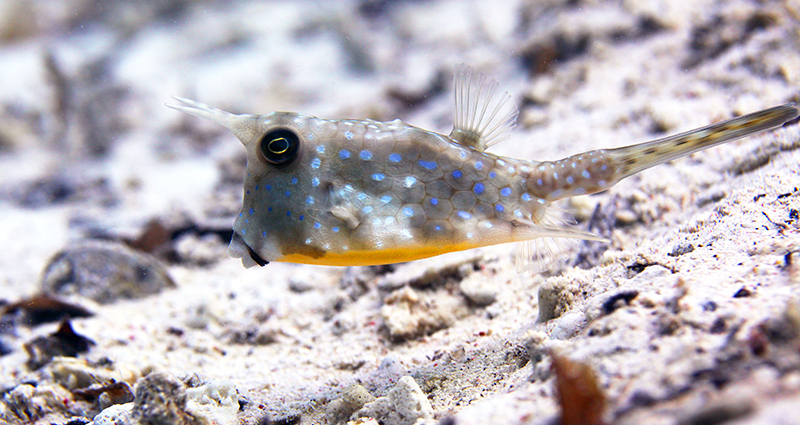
x,y
635,158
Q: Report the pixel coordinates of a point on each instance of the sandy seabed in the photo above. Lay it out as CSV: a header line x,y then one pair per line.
x,y
690,315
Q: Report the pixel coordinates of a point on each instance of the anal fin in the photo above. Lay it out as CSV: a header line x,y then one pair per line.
x,y
541,241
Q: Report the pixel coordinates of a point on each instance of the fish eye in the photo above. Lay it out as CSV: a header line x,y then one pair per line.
x,y
279,147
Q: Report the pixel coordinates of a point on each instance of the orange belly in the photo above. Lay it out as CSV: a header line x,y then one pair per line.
x,y
377,257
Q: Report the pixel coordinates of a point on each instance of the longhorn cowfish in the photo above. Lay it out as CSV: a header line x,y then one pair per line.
x,y
343,192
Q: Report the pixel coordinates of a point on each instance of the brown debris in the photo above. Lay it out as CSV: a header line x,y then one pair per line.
x,y
45,309
580,397
106,394
63,342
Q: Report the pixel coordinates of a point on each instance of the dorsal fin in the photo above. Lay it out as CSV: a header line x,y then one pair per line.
x,y
483,117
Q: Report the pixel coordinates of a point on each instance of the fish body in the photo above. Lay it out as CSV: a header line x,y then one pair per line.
x,y
363,192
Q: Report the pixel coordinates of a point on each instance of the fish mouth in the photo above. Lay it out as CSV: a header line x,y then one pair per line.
x,y
238,248
257,258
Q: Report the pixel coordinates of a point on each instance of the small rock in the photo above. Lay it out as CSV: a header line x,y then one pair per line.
x,y
555,298
118,414
27,403
216,401
403,405
104,271
354,397
161,400
73,374
478,289
408,313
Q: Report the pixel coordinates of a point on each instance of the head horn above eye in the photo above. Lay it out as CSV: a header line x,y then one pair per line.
x,y
240,125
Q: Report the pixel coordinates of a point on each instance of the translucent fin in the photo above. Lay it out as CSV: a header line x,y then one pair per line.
x,y
539,255
238,124
541,243
343,206
483,117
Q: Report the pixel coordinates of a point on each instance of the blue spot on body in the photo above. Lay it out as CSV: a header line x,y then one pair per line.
x,y
251,211
499,208
367,209
570,180
386,199
604,167
301,217
247,192
365,155
434,201
264,234
294,180
246,221
315,163
344,154
518,213
586,174
335,229
314,181
539,182
361,196
240,214
269,209
395,157
310,200
288,213
479,165
457,174
526,197
408,211
438,227
506,191
244,231
268,187
321,149
317,225
378,177
492,175
410,181
348,134
478,188
430,165
465,215
287,193
256,187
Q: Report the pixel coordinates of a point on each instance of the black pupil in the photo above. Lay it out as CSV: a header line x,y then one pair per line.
x,y
279,147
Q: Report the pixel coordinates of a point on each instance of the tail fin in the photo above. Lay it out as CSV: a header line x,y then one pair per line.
x,y
636,158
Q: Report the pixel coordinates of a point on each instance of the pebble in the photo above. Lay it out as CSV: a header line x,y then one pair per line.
x,y
403,405
161,399
104,271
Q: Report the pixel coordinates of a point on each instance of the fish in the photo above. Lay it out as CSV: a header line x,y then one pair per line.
x,y
344,192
